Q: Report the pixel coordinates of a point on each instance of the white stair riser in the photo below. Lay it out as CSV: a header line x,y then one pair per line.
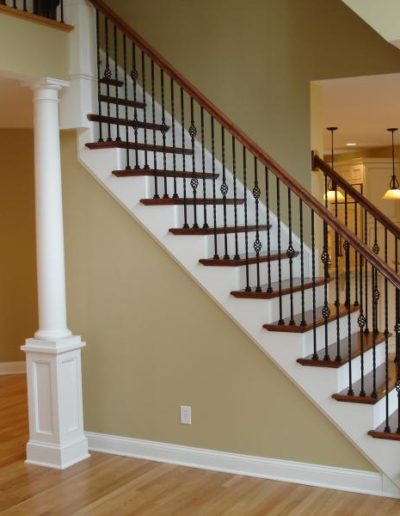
x,y
343,372
332,332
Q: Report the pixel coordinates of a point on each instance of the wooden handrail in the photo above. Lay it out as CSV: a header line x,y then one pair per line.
x,y
363,201
250,145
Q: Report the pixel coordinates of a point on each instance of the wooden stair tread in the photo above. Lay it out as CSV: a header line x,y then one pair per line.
x,y
368,386
218,231
252,259
394,435
162,173
111,82
308,316
188,201
285,288
140,146
122,121
122,102
332,351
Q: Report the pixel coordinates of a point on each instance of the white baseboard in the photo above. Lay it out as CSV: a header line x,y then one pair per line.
x,y
355,481
12,368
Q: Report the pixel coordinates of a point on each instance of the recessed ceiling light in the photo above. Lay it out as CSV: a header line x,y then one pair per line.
x,y
351,144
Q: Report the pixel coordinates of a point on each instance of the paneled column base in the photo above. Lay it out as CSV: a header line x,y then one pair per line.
x,y
56,437
57,457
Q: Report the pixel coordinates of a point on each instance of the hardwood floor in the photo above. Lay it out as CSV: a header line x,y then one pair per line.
x,y
111,485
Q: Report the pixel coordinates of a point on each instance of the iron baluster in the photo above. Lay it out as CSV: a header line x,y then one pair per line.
x,y
278,215
224,190
134,77
325,260
338,357
118,137
361,323
194,182
314,308
386,333
366,275
153,109
356,301
164,130
185,217
128,166
236,257
216,256
203,167
290,254
348,300
175,194
107,77
303,320
269,287
257,243
374,315
146,163
246,235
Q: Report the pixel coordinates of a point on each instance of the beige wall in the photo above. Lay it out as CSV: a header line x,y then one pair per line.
x,y
32,49
156,341
18,309
255,59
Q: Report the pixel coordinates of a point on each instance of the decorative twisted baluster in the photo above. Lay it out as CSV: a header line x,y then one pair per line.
x,y
194,182
257,246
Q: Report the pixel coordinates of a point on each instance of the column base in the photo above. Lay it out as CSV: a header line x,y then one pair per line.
x,y
56,436
54,456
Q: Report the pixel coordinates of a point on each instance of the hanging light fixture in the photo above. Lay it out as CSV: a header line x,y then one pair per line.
x,y
393,194
333,194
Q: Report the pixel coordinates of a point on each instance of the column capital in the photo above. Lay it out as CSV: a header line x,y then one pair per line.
x,y
47,83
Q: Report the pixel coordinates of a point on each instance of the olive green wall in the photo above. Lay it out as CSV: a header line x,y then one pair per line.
x,y
31,49
157,341
255,59
18,308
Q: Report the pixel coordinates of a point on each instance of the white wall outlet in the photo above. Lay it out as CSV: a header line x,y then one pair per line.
x,y
186,415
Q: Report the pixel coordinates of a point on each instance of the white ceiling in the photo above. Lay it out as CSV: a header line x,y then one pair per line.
x,y
362,108
16,109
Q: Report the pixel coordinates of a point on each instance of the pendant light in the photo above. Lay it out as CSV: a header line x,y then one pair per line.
x,y
332,195
393,194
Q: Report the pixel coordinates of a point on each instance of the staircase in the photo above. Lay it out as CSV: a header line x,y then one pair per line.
x,y
251,236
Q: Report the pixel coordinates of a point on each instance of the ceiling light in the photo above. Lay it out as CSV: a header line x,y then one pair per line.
x,y
332,194
351,144
393,193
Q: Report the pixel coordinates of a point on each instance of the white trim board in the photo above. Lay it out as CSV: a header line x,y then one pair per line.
x,y
329,477
12,368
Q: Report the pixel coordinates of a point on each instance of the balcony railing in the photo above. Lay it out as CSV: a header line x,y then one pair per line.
x,y
50,9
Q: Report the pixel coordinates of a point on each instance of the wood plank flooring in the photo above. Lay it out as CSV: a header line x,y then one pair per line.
x,y
118,486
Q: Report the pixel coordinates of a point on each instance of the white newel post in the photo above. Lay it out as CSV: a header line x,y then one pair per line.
x,y
53,356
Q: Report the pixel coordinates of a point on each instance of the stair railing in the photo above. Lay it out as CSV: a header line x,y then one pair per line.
x,y
51,9
356,316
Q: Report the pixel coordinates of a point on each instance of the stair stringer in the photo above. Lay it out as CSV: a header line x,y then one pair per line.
x,y
318,384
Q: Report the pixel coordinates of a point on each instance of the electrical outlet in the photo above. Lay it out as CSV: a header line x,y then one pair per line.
x,y
186,415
